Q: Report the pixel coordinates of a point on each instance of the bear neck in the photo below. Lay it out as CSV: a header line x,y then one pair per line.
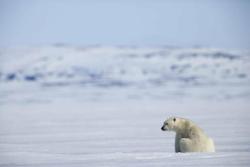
x,y
184,126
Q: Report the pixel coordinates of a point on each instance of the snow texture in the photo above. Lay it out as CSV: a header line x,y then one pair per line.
x,y
104,106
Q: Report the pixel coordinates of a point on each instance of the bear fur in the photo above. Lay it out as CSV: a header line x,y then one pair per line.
x,y
189,137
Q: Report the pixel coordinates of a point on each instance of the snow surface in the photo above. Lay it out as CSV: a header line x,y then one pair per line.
x,y
104,106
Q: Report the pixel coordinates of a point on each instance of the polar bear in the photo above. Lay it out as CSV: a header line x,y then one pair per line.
x,y
189,137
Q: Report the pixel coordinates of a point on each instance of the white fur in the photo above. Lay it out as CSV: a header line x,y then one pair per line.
x,y
189,137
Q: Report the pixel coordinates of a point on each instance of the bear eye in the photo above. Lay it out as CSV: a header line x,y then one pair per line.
x,y
174,119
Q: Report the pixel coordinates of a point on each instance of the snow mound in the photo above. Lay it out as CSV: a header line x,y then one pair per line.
x,y
124,66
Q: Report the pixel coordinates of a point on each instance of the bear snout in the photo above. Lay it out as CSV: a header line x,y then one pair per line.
x,y
162,128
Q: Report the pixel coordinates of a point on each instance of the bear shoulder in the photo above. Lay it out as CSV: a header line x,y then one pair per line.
x,y
195,131
190,129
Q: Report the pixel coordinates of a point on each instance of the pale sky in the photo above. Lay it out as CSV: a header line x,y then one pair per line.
x,y
184,23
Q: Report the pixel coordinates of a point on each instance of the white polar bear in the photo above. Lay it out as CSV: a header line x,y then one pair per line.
x,y
189,137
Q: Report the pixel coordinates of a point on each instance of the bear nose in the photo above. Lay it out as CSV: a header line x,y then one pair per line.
x,y
162,128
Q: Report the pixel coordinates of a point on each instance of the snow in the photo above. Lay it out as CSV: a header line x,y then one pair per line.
x,y
104,106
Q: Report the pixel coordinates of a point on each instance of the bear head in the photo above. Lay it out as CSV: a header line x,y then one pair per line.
x,y
170,124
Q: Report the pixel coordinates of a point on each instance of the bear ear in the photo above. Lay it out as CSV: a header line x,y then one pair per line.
x,y
174,119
